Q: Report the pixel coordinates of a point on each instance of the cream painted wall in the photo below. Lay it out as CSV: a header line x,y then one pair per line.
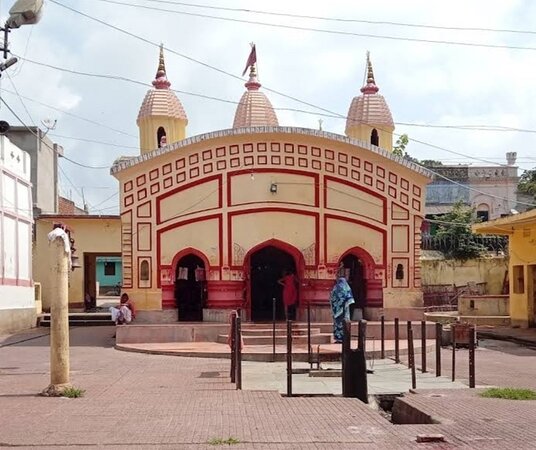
x,y
484,270
345,235
92,234
175,131
345,198
363,132
180,203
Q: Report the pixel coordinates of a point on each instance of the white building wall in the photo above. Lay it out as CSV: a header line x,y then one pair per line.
x,y
17,303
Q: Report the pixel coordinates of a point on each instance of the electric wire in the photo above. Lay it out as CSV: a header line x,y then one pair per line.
x,y
318,30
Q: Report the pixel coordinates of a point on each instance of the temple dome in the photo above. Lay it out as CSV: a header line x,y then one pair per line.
x,y
161,101
254,109
369,114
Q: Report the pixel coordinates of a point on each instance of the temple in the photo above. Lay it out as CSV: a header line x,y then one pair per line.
x,y
210,222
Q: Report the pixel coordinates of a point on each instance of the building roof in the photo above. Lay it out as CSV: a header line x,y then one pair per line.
x,y
254,109
506,225
161,101
370,107
124,163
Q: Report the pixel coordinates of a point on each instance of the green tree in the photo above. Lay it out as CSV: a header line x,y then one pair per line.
x,y
455,228
401,143
527,182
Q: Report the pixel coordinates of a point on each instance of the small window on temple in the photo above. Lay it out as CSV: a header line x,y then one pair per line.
x,y
374,138
399,272
161,137
144,270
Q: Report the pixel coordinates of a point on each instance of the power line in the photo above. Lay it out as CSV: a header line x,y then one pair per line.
x,y
84,165
344,20
93,141
318,30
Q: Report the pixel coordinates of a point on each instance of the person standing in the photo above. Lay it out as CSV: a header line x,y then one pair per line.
x,y
340,299
290,293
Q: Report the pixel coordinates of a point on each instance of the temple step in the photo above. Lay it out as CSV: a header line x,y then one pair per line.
x,y
280,339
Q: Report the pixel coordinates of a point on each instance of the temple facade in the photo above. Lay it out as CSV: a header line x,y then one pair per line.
x,y
210,222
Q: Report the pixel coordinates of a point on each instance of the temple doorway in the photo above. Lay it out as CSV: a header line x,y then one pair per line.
x,y
190,288
356,279
266,268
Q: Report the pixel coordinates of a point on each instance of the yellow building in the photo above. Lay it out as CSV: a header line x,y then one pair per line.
x,y
210,222
94,236
521,232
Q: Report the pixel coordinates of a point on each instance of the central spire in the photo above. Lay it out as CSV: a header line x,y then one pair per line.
x,y
161,81
370,87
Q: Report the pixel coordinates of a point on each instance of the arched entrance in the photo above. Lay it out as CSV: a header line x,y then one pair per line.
x,y
190,288
355,273
266,268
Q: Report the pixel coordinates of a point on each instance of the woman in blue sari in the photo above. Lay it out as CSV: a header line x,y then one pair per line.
x,y
340,299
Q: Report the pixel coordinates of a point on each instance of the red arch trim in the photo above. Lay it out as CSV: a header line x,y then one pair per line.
x,y
189,251
365,257
281,245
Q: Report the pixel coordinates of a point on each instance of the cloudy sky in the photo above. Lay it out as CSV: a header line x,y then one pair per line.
x,y
438,83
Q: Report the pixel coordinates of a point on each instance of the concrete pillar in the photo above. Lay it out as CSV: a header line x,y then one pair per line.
x,y
59,311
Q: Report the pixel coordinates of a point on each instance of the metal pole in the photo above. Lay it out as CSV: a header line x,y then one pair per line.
x,y
289,358
273,329
362,335
233,347
238,351
309,349
439,330
409,342
423,346
453,328
472,338
346,340
412,357
397,346
382,334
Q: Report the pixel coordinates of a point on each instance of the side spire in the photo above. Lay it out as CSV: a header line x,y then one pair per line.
x,y
370,87
161,81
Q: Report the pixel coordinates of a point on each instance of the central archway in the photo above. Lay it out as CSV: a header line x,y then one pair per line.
x,y
190,288
266,268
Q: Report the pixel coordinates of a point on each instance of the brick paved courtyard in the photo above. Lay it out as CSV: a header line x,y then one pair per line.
x,y
154,401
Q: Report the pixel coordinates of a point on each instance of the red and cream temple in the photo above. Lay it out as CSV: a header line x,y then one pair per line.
x,y
210,222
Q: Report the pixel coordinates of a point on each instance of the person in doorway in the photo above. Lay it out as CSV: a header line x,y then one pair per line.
x,y
125,312
340,299
88,302
290,293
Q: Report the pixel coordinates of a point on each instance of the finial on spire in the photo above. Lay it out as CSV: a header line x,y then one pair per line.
x,y
252,58
161,81
370,87
161,62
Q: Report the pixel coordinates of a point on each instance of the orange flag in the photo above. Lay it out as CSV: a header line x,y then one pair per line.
x,y
252,59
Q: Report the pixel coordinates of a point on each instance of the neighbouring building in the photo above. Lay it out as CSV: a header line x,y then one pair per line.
x,y
17,301
95,237
109,275
492,189
210,222
521,232
44,155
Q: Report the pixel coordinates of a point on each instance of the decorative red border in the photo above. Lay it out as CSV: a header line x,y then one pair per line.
x,y
150,284
159,232
158,199
393,236
138,249
393,272
359,188
270,209
315,176
357,222
138,215
402,208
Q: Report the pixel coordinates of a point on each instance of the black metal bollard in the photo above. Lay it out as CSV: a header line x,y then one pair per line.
x,y
411,357
273,329
238,344
289,358
423,346
362,335
309,349
354,368
438,332
407,336
232,332
397,344
382,337
453,328
472,339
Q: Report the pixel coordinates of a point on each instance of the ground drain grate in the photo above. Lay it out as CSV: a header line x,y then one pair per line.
x,y
209,375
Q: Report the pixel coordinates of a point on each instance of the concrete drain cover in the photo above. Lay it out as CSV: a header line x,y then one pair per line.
x,y
209,374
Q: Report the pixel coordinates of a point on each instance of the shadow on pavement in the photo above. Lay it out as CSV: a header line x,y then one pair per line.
x,y
96,336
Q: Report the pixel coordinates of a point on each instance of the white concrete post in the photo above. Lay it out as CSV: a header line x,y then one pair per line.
x,y
60,264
